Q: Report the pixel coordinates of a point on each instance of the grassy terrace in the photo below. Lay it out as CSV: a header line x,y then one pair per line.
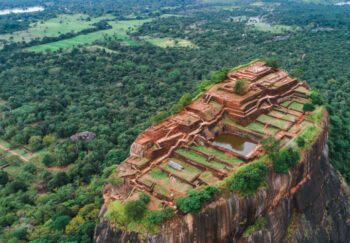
x,y
208,178
158,173
218,154
188,173
200,159
281,115
286,103
260,128
163,184
274,121
296,106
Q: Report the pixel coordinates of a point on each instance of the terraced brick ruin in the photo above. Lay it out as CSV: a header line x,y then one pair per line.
x,y
210,142
214,135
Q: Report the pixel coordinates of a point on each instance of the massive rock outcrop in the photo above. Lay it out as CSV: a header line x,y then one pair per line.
x,y
309,204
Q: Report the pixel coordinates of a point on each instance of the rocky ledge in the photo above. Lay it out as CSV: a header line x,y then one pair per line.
x,y
309,204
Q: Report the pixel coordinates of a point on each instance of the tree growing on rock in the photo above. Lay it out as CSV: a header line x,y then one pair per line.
x,y
240,86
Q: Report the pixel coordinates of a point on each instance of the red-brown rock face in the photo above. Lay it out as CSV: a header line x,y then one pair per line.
x,y
307,205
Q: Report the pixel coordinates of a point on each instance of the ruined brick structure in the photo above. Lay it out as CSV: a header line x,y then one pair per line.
x,y
268,93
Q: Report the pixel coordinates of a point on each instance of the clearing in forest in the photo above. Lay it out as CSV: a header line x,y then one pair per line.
x,y
62,24
119,31
170,42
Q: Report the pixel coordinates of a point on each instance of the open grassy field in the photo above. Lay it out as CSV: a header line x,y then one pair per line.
x,y
119,31
276,29
4,144
54,27
169,42
102,48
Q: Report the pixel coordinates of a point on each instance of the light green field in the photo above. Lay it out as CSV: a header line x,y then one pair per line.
x,y
54,27
274,121
276,29
260,128
102,48
218,154
119,31
200,159
296,106
169,42
4,144
188,173
208,178
278,114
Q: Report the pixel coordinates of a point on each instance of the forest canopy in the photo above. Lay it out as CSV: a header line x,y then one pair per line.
x,y
50,190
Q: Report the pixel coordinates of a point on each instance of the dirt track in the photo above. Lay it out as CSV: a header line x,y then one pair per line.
x,y
14,153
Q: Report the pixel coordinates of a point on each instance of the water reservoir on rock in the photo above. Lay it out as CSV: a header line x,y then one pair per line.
x,y
234,143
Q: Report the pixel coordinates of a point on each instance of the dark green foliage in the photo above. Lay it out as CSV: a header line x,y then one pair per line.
x,y
339,142
316,98
240,86
48,159
272,62
60,222
144,198
248,179
20,233
281,160
4,178
115,94
15,186
35,143
202,86
185,99
301,142
195,200
217,76
285,159
157,217
7,220
136,209
271,145
259,224
58,180
308,107
29,167
160,116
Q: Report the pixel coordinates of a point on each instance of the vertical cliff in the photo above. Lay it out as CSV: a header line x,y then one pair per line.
x,y
309,204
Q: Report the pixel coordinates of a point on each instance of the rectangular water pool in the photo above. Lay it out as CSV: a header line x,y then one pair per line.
x,y
234,143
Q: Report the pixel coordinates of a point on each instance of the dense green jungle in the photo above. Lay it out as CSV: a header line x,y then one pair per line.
x,y
112,67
